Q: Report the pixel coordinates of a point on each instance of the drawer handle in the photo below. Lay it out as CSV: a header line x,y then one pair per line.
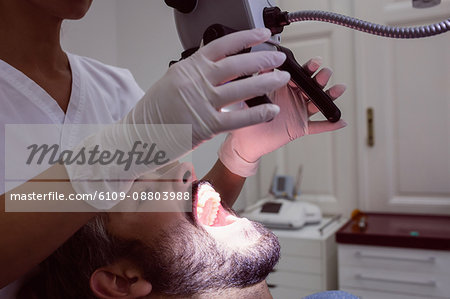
x,y
430,283
430,259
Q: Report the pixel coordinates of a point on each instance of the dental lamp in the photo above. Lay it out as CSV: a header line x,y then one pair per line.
x,y
200,21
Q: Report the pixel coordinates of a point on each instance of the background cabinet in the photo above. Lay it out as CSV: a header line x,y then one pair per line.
x,y
395,256
386,272
308,261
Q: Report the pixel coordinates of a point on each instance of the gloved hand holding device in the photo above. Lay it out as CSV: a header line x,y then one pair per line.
x,y
192,92
243,148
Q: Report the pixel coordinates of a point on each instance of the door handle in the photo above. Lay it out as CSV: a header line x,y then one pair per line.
x,y
370,127
430,283
430,259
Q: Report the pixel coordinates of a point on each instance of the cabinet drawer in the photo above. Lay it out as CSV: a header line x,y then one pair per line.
x,y
295,280
300,247
363,294
289,293
421,284
397,259
299,264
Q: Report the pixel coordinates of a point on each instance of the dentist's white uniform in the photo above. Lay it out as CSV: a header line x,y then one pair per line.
x,y
101,94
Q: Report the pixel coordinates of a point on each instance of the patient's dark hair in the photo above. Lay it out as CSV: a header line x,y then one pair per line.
x,y
68,270
181,267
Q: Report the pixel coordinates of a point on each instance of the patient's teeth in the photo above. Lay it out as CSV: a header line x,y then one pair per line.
x,y
199,210
208,206
212,217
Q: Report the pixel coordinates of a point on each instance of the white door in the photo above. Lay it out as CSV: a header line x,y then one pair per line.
x,y
329,159
407,84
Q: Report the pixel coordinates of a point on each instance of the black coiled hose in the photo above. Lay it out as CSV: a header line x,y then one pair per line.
x,y
376,29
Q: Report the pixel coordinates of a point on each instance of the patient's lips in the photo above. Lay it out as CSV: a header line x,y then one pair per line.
x,y
208,208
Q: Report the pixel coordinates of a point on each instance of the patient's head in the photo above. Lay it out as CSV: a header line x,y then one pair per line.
x,y
207,253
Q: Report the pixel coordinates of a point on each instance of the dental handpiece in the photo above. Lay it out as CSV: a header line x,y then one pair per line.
x,y
299,76
303,80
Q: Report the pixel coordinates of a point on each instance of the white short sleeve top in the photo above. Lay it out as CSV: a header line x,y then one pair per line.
x,y
101,94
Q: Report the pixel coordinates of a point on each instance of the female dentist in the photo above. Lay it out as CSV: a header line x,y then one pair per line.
x,y
42,84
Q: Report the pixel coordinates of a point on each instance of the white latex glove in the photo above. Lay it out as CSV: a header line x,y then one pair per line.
x,y
191,92
243,148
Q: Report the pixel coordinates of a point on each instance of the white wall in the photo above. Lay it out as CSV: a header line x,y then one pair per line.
x,y
148,39
95,35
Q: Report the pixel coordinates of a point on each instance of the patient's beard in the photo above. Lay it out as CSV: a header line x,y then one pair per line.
x,y
187,260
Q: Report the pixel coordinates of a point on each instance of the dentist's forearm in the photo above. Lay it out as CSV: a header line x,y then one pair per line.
x,y
226,183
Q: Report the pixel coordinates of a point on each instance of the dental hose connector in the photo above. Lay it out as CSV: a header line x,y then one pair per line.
x,y
275,19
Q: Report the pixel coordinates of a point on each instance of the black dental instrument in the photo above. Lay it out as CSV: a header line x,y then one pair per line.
x,y
303,80
299,76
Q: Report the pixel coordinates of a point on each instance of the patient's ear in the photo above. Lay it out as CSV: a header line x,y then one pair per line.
x,y
121,279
